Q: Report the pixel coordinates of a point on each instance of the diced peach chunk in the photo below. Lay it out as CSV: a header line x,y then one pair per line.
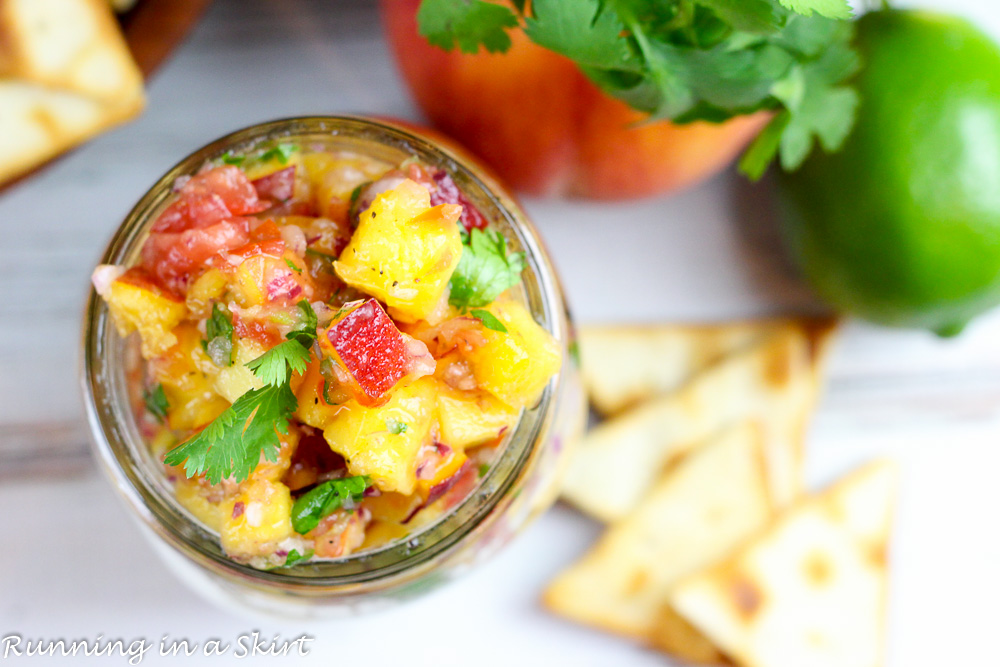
x,y
384,442
517,365
404,252
136,303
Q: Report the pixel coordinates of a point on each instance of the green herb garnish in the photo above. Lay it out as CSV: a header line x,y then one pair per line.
x,y
688,60
485,271
156,402
311,507
483,469
305,333
235,160
294,557
489,320
292,266
218,342
281,153
231,446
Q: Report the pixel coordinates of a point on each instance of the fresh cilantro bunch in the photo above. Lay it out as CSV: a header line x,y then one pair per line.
x,y
687,60
231,446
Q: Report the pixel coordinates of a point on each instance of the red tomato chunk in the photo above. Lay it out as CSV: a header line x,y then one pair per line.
x,y
217,194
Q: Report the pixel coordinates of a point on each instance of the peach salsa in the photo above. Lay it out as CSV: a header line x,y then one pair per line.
x,y
334,349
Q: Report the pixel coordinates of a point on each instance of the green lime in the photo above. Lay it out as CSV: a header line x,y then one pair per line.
x,y
902,226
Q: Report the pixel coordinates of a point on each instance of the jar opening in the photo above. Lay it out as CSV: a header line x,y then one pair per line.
x,y
127,457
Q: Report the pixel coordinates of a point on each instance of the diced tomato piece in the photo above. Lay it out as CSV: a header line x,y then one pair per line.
x,y
264,333
191,212
371,349
209,197
175,257
266,231
278,186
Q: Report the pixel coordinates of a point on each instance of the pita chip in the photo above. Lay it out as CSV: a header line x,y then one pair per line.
x,y
694,515
809,590
774,382
65,75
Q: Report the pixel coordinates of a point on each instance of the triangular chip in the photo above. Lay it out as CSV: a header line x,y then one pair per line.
x,y
65,74
623,366
699,510
810,589
774,381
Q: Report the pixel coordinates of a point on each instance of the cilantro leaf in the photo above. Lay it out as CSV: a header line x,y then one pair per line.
x,y
292,266
833,9
305,333
589,32
281,153
395,426
235,160
156,402
470,23
231,446
311,507
275,367
295,557
747,15
218,343
485,270
489,320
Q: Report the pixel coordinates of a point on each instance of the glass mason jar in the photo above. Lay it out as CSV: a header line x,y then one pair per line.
x,y
520,483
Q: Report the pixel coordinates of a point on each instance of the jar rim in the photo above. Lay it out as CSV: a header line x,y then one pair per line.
x,y
119,446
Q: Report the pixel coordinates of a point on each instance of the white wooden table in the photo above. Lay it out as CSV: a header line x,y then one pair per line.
x,y
73,566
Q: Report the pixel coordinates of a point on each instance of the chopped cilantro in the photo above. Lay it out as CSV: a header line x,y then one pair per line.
x,y
231,446
489,320
689,60
156,402
281,153
292,266
294,557
322,500
218,343
235,160
485,270
395,426
305,334
483,469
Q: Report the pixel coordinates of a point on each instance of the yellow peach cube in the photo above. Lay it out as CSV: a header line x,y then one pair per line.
x,y
515,366
257,518
404,252
472,418
191,496
383,442
188,376
137,304
233,381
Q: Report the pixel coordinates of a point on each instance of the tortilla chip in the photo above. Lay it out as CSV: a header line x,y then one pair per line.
x,y
623,366
810,589
65,75
694,515
775,382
